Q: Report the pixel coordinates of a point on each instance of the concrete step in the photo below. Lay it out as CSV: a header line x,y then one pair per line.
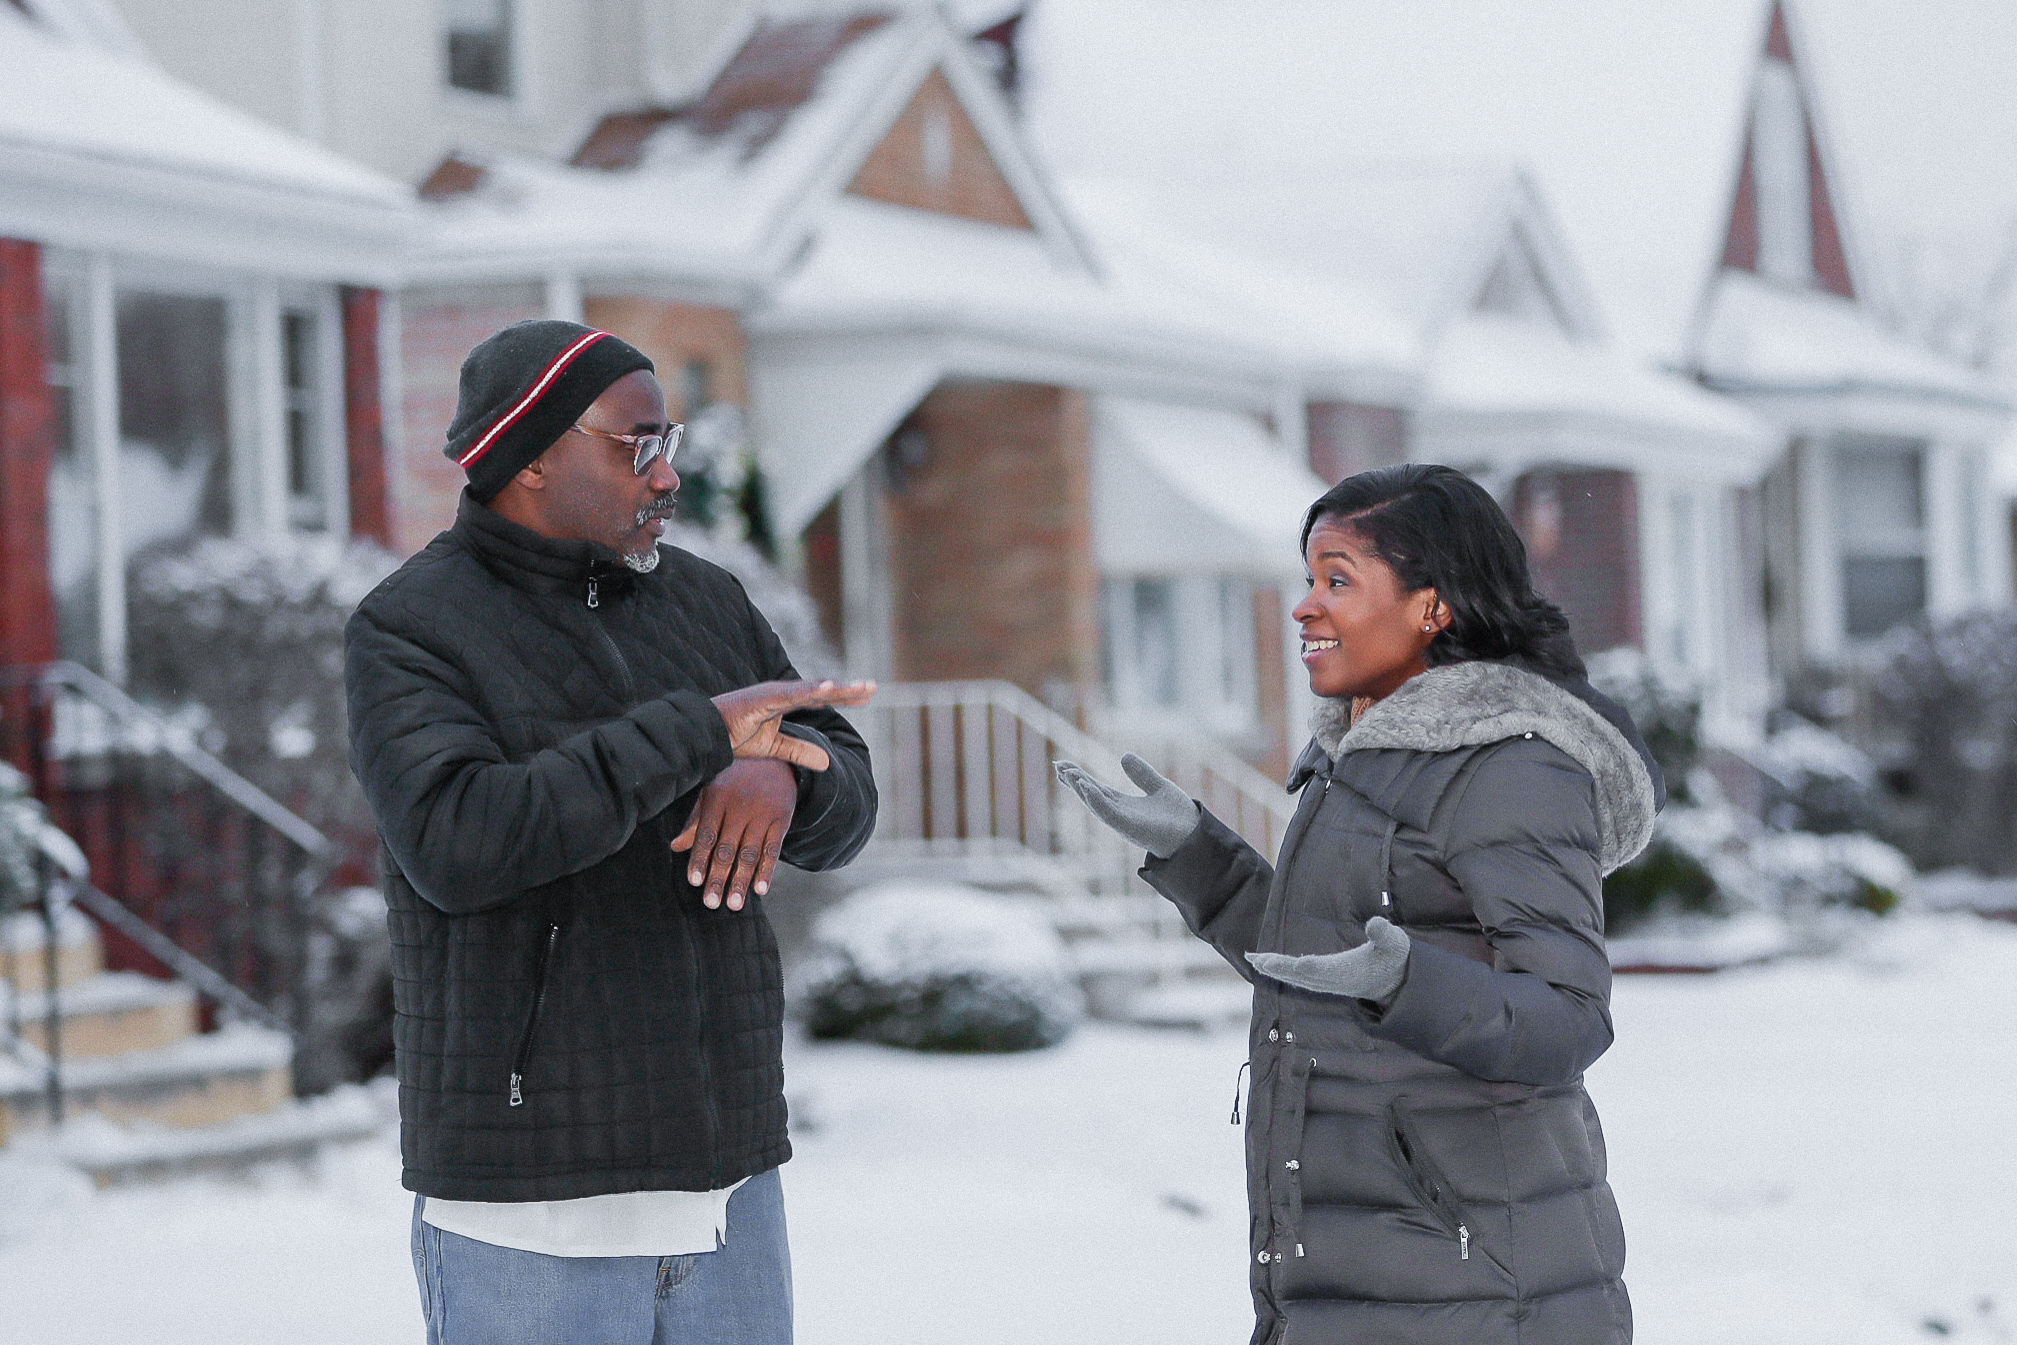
x,y
294,1131
1197,1005
109,1014
198,1081
23,963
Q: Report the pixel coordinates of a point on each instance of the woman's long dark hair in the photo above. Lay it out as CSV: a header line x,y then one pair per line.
x,y
1437,528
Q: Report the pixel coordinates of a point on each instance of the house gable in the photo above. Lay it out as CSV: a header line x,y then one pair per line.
x,y
1783,222
1517,286
933,158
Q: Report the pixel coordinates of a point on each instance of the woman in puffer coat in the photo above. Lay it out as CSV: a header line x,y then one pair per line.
x,y
1424,1167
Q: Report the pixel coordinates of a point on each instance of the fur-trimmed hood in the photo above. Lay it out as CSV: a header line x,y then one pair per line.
x,y
1475,703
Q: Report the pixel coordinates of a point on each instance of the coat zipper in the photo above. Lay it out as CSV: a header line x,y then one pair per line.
x,y
706,1064
532,1019
622,664
1432,1186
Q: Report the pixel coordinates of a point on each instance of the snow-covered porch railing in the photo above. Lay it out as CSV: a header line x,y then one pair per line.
x,y
964,772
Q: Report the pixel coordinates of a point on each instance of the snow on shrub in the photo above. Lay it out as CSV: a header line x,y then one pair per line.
x,y
938,967
1819,781
1942,697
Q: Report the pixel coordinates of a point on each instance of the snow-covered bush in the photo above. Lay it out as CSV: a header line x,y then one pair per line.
x,y
937,967
1809,853
244,638
21,823
1817,780
1668,712
1942,723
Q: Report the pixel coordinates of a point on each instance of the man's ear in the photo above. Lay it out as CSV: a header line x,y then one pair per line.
x,y
532,476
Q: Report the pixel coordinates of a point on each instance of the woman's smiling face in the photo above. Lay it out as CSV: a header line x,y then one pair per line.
x,y
1363,633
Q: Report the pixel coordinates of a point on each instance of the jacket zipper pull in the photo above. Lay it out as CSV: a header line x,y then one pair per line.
x,y
593,586
1464,1241
1236,1090
517,1097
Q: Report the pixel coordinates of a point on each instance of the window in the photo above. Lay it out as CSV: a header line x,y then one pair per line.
x,y
1182,649
935,136
186,409
174,447
73,499
307,480
1880,517
1779,169
479,46
1686,589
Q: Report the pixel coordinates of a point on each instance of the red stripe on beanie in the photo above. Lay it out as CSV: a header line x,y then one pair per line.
x,y
531,398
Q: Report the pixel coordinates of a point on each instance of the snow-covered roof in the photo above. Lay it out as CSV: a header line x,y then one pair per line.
x,y
99,147
885,301
1761,337
1383,264
1183,489
1503,389
726,190
1630,116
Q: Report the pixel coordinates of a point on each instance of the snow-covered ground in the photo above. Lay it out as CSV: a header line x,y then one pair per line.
x,y
1807,1152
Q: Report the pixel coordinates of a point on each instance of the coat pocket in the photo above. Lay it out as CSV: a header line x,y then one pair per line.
x,y
548,946
1425,1177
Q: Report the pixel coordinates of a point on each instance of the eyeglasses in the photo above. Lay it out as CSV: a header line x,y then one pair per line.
x,y
647,447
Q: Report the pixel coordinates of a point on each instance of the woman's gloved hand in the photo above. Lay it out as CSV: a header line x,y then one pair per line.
x,y
1159,820
1373,970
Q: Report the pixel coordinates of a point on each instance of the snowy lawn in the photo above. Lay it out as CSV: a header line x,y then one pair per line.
x,y
1806,1153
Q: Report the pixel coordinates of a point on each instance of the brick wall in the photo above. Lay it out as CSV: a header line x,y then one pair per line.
x,y
1347,438
1582,535
27,449
674,335
964,181
364,417
990,540
438,328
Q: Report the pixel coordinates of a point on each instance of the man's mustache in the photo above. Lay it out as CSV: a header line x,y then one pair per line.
x,y
661,506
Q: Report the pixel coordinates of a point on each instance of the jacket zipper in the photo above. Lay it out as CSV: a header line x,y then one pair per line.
x,y
1432,1187
622,664
532,1019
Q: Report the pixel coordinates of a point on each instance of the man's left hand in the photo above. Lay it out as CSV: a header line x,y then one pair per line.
x,y
737,830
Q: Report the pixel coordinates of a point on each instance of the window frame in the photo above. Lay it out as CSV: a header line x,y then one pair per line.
x,y
513,102
255,398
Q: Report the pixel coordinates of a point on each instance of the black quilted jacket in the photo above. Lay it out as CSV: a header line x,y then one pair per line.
x,y
531,723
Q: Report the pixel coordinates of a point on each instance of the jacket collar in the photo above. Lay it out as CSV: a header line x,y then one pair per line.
x,y
1486,701
524,559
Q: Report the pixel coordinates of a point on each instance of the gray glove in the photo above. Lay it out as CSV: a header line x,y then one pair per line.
x,y
1159,820
1373,970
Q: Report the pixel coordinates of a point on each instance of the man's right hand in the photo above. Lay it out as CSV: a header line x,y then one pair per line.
x,y
754,713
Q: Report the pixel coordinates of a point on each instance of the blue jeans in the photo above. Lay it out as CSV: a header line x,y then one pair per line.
x,y
739,1294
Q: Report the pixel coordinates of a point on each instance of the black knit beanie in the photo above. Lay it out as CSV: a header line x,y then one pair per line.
x,y
523,388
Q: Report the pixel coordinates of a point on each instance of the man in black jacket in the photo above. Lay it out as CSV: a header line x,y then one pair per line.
x,y
585,754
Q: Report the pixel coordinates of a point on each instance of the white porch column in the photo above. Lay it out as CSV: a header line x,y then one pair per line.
x,y
1823,622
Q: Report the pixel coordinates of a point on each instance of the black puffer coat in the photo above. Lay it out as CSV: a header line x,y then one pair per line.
x,y
1434,1174
531,723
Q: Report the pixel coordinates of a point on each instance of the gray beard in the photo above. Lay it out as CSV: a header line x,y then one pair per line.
x,y
643,564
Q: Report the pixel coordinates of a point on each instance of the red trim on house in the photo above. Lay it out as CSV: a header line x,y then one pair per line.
x,y
1740,243
531,398
1831,260
27,452
364,417
1778,39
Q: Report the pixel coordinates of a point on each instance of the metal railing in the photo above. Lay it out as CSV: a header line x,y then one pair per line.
x,y
964,771
194,870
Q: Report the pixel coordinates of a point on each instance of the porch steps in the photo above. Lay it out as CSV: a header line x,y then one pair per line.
x,y
145,1093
